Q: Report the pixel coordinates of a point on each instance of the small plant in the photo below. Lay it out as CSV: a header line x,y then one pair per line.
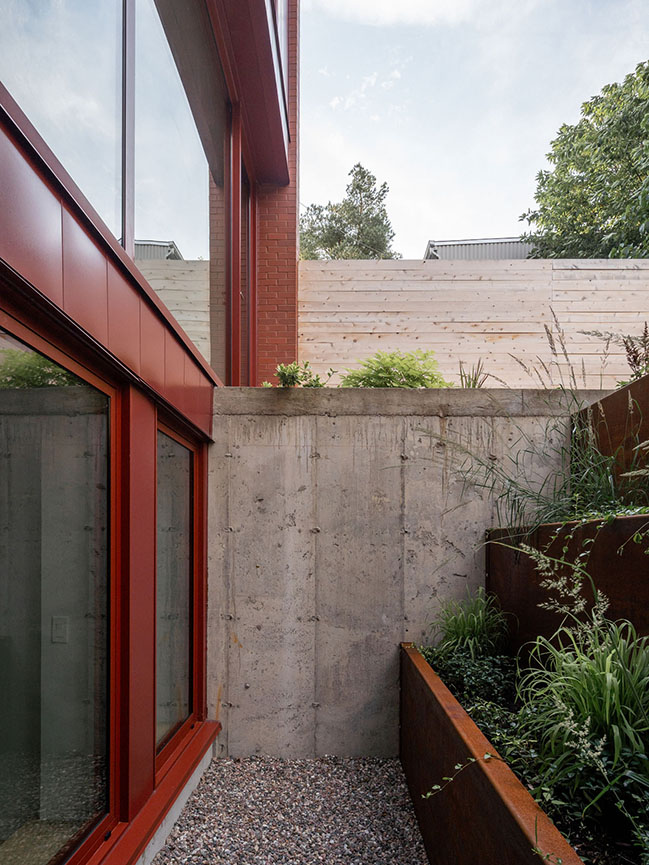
x,y
474,377
24,369
474,679
412,369
295,374
475,625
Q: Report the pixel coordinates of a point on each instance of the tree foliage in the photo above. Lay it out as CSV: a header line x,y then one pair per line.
x,y
594,201
25,369
356,227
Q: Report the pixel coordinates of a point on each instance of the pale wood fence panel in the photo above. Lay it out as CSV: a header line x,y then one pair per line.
x,y
496,311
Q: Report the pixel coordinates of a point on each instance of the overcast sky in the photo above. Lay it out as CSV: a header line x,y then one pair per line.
x,y
453,102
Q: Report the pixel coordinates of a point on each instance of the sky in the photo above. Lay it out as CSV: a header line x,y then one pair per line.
x,y
453,103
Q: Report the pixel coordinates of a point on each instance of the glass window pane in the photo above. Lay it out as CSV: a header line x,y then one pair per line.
x,y
54,645
173,585
61,62
171,174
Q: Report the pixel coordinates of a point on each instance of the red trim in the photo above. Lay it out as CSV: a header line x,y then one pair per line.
x,y
178,738
128,841
247,43
235,250
252,280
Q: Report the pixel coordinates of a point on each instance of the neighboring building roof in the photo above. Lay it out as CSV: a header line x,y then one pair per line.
x,y
163,250
478,249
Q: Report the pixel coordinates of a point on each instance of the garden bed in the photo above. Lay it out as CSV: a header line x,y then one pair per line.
x,y
484,815
617,565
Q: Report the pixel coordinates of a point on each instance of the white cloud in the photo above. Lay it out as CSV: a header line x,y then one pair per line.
x,y
386,12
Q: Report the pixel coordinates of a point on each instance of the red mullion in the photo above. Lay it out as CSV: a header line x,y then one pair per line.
x,y
252,298
235,248
165,758
200,582
137,661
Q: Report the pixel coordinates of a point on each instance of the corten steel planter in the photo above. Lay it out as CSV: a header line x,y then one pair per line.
x,y
618,567
484,816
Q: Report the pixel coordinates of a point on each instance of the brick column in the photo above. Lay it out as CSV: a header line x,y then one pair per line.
x,y
277,243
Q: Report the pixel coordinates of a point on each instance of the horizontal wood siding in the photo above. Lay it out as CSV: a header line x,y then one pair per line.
x,y
496,311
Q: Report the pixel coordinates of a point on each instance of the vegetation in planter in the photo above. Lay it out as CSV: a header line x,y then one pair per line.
x,y
411,369
474,625
297,374
578,730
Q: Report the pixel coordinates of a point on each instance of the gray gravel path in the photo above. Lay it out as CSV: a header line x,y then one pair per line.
x,y
266,811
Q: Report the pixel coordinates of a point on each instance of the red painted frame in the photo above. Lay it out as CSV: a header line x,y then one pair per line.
x,y
35,339
142,786
174,742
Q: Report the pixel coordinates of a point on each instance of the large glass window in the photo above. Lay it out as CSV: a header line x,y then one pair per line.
x,y
174,570
171,174
61,62
53,606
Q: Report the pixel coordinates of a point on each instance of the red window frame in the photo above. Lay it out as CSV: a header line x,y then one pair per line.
x,y
35,339
177,738
142,784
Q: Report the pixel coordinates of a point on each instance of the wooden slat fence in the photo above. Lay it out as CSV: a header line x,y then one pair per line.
x,y
467,310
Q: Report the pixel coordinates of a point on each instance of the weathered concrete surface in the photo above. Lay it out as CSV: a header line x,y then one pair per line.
x,y
338,521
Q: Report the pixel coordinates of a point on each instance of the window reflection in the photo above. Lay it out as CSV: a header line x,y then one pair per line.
x,y
171,175
53,606
61,62
173,585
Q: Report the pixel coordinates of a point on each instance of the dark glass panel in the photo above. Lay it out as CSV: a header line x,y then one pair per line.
x,y
54,644
173,585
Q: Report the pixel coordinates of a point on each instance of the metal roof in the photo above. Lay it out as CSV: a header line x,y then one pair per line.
x,y
478,249
158,250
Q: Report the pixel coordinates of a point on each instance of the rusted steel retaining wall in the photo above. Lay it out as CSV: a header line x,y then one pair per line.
x,y
617,564
484,815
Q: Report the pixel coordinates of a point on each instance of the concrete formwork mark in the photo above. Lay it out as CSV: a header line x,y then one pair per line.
x,y
332,539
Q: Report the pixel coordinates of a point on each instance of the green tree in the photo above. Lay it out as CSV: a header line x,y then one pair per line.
x,y
356,227
594,201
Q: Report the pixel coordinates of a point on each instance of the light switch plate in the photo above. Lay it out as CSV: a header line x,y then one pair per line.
x,y
60,629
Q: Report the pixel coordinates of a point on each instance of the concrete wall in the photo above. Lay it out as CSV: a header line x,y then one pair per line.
x,y
337,523
471,310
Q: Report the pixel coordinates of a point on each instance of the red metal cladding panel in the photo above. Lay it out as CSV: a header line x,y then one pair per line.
x,y
123,320
30,222
138,658
85,288
192,381
175,371
152,347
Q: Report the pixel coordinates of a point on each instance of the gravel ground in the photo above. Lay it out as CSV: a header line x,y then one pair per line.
x,y
266,811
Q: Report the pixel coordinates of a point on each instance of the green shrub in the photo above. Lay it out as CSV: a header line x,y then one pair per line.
x,y
475,625
396,369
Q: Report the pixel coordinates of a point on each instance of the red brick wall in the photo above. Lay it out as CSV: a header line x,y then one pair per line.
x,y
277,241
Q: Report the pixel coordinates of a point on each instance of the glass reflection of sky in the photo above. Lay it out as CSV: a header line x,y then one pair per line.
x,y
171,173
60,60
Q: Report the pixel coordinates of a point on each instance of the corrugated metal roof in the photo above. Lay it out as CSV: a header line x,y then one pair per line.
x,y
157,250
478,249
